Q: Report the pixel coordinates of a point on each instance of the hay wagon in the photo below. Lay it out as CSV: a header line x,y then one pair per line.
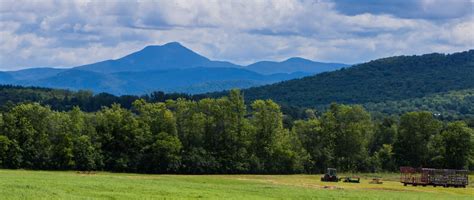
x,y
434,177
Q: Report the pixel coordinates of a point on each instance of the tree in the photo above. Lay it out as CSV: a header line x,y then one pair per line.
x,y
4,146
10,152
457,144
233,133
122,138
26,126
85,154
156,116
86,141
191,127
351,129
385,133
315,142
163,156
61,137
272,144
162,148
416,131
383,158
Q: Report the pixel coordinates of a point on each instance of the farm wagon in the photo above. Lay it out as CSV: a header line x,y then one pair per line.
x,y
434,177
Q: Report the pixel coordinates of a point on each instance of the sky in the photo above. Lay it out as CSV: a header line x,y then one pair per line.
x,y
68,33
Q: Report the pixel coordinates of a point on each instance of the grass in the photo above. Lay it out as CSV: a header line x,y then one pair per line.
x,y
23,184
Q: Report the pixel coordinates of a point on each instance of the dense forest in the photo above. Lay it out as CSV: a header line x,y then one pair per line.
x,y
387,79
452,105
224,135
64,100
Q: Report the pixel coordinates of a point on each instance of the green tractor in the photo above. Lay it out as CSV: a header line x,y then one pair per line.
x,y
330,175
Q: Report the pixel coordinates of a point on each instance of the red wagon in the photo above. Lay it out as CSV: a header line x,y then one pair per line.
x,y
434,177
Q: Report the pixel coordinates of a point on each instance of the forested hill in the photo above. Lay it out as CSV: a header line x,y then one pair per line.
x,y
449,106
393,78
452,105
65,100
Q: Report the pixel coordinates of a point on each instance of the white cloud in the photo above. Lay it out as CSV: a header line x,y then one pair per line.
x,y
71,33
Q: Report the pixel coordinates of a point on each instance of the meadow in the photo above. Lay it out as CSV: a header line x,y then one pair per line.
x,y
25,184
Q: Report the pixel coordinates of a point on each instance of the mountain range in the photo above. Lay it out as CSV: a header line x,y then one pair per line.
x,y
171,68
439,83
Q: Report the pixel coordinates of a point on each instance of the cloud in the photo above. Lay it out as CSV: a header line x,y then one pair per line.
x,y
71,33
417,9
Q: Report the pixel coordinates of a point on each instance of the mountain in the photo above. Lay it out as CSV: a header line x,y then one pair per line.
x,y
76,79
191,80
35,73
387,79
5,78
169,56
292,65
170,67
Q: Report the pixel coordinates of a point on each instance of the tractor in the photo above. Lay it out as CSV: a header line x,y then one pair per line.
x,y
330,175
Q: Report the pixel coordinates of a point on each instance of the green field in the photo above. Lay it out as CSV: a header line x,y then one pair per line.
x,y
22,184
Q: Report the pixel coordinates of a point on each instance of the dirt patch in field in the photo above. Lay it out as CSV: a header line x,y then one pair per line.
x,y
386,189
332,187
145,177
301,184
86,172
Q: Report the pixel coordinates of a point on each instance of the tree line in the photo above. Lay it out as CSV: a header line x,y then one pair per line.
x,y
65,100
224,135
451,106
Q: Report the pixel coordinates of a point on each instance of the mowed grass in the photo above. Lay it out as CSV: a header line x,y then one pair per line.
x,y
23,184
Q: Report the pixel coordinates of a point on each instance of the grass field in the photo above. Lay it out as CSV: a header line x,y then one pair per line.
x,y
22,184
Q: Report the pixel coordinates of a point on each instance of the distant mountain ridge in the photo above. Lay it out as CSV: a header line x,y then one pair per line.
x,y
6,77
170,67
181,80
291,65
35,73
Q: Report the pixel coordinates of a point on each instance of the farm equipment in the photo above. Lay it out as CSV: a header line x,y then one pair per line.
x,y
376,181
352,179
434,177
330,175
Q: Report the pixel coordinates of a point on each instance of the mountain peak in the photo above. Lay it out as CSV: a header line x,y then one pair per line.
x,y
297,59
171,55
167,45
173,44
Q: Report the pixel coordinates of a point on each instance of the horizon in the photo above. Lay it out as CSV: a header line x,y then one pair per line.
x,y
61,34
257,61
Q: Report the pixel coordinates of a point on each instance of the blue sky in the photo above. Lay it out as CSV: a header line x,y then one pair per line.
x,y
70,33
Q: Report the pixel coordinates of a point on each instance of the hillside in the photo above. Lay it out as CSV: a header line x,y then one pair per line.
x,y
387,79
452,105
